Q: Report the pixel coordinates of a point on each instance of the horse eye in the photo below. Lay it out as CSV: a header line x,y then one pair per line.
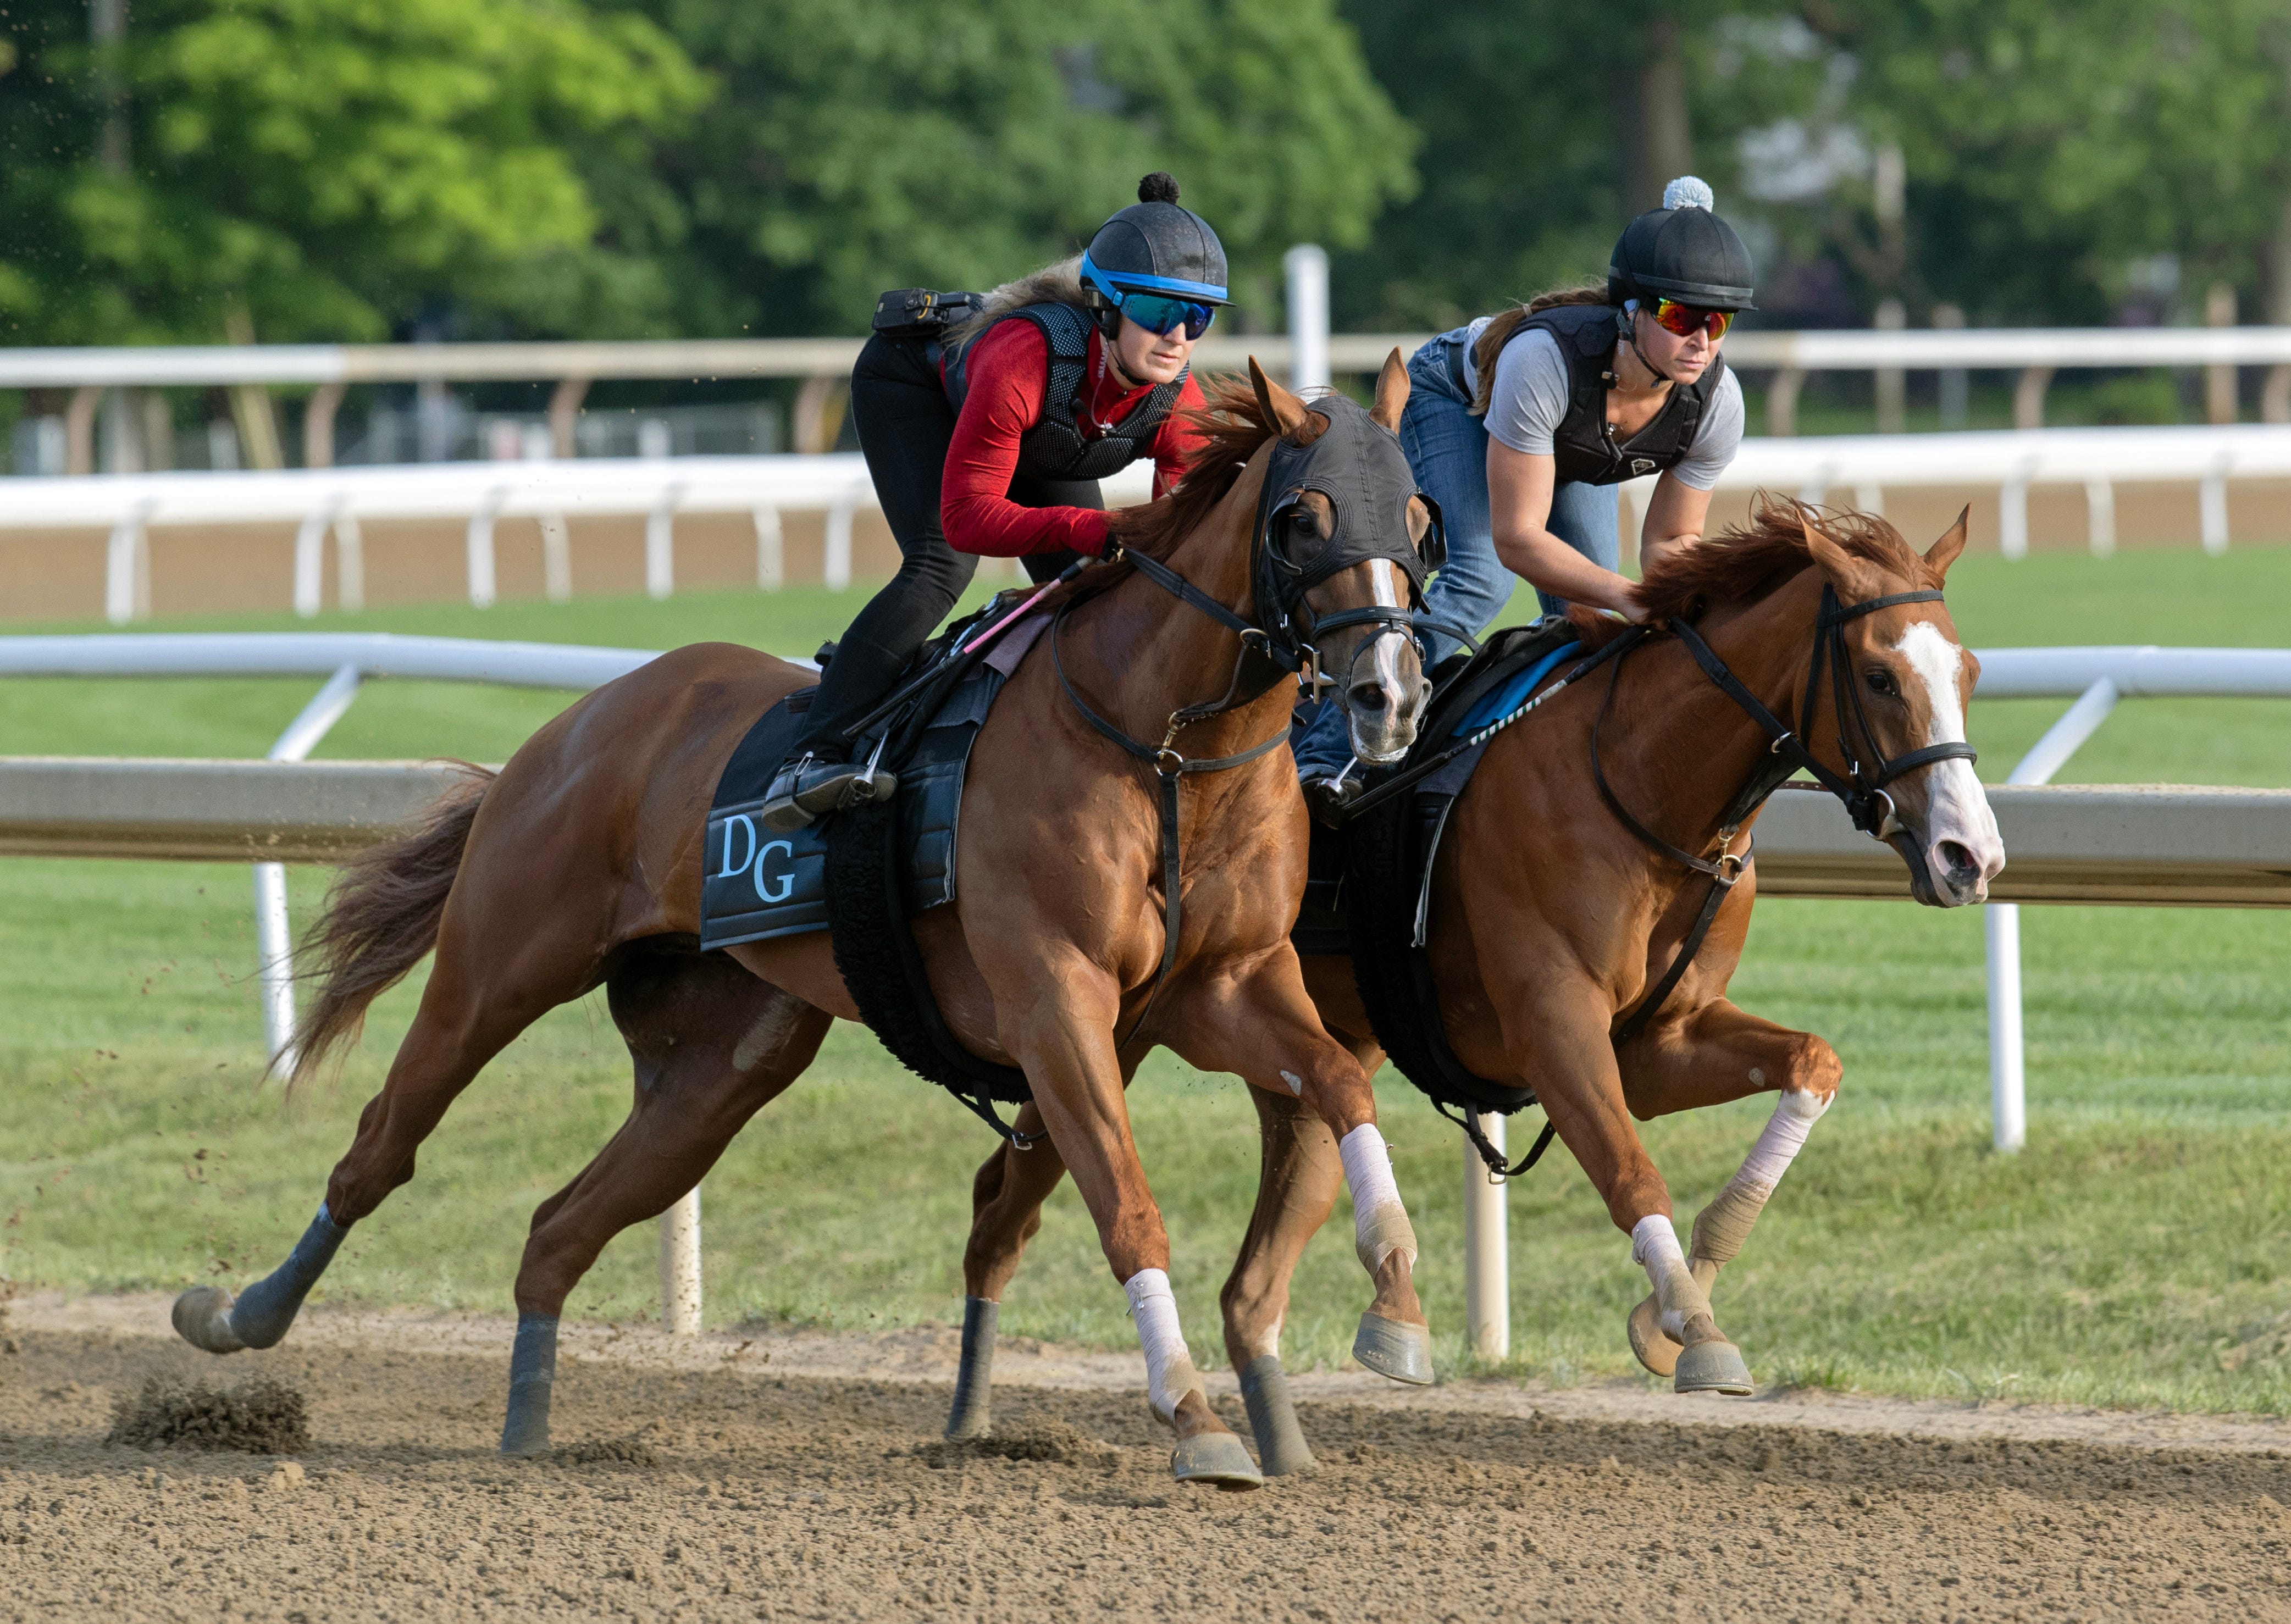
x,y
1882,682
1300,520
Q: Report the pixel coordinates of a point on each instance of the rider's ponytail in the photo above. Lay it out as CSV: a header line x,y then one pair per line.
x,y
1500,330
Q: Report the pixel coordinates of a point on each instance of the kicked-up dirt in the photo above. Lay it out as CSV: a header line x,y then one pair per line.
x,y
708,1480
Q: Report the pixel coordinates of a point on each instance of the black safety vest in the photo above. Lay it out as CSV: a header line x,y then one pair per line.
x,y
1584,444
1054,448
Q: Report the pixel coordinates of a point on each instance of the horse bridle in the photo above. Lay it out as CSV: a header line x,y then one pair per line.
x,y
1268,652
1860,788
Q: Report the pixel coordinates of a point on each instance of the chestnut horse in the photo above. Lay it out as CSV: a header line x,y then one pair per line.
x,y
1551,920
579,865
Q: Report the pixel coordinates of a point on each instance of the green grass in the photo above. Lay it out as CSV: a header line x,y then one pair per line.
x,y
2141,1235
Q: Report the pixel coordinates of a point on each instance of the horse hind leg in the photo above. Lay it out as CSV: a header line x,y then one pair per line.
x,y
455,1032
712,1045
1715,1054
1300,1175
1006,1211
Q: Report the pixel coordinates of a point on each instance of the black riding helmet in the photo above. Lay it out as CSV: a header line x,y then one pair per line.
x,y
1155,245
1683,252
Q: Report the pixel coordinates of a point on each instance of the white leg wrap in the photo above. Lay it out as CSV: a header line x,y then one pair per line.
x,y
1654,1247
1724,1225
1170,1373
1380,1225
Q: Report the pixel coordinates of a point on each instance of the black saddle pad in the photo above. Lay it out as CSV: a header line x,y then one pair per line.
x,y
1369,889
757,884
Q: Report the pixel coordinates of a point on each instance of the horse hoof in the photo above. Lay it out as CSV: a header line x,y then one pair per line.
x,y
1650,1341
1217,1458
202,1317
1712,1367
1391,1349
1280,1446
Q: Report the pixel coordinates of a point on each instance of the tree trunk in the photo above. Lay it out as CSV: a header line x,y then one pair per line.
x,y
1653,129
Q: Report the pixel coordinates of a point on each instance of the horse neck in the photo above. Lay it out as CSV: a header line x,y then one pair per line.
x,y
1151,654
1691,748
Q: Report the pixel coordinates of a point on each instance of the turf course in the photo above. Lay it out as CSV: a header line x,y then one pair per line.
x,y
2135,1254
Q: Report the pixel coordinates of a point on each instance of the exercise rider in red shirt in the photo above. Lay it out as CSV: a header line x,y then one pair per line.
x,y
990,440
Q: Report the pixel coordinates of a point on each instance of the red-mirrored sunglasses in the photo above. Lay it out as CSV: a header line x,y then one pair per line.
x,y
1687,319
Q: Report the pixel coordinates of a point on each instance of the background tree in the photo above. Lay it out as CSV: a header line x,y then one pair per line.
x,y
331,168
864,144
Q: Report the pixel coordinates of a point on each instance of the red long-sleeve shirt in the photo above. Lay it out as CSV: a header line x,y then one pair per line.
x,y
1009,373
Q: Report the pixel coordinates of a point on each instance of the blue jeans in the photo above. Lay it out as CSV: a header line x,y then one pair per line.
x,y
1447,449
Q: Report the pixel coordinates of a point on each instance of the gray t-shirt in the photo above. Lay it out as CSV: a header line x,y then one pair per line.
x,y
1530,397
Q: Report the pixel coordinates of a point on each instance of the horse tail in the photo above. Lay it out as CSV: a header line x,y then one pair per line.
x,y
381,917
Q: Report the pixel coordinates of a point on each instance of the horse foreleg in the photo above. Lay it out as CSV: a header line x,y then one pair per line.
x,y
1555,1032
1063,1035
711,1046
1706,1057
1259,1024
1299,1177
1005,1211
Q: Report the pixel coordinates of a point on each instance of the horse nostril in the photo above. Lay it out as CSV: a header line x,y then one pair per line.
x,y
1367,696
1958,861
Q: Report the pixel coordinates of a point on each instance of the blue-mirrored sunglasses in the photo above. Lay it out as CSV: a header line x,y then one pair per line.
x,y
1158,313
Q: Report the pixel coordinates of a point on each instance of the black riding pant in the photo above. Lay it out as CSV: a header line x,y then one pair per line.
x,y
905,424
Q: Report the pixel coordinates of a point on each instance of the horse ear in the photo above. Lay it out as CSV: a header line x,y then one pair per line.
x,y
1855,579
1392,389
1943,553
1281,408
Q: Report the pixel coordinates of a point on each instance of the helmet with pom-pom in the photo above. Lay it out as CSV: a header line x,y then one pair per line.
x,y
1683,251
1155,245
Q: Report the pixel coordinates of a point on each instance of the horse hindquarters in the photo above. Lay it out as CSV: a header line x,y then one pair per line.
x,y
711,1046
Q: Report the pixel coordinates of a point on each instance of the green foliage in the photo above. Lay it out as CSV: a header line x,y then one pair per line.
x,y
866,144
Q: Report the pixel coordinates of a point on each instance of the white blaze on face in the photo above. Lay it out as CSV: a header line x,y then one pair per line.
x,y
1958,808
1385,583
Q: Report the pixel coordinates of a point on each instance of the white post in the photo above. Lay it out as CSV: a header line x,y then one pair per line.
x,y
274,937
311,561
2099,517
2012,517
660,544
1308,265
2212,505
349,562
128,570
481,549
2008,1106
274,954
837,566
557,558
1487,1251
771,550
680,1265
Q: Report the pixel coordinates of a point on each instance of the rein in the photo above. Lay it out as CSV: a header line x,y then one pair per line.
x,y
1861,790
1365,485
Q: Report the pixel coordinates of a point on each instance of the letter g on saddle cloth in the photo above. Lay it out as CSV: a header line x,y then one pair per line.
x,y
1409,1028
1358,466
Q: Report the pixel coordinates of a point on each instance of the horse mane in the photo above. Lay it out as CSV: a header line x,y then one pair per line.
x,y
1746,561
1232,427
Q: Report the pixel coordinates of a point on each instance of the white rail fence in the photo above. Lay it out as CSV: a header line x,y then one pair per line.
x,y
333,502
2229,847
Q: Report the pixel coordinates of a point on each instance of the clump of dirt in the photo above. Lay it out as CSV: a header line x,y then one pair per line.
x,y
608,1451
262,1415
1052,1441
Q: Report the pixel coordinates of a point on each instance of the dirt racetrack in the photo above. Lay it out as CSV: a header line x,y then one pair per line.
x,y
714,1479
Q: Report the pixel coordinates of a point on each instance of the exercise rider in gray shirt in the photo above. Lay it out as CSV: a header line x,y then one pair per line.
x,y
1521,426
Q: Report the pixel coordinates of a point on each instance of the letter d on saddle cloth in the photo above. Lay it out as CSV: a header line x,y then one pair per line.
x,y
1392,834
